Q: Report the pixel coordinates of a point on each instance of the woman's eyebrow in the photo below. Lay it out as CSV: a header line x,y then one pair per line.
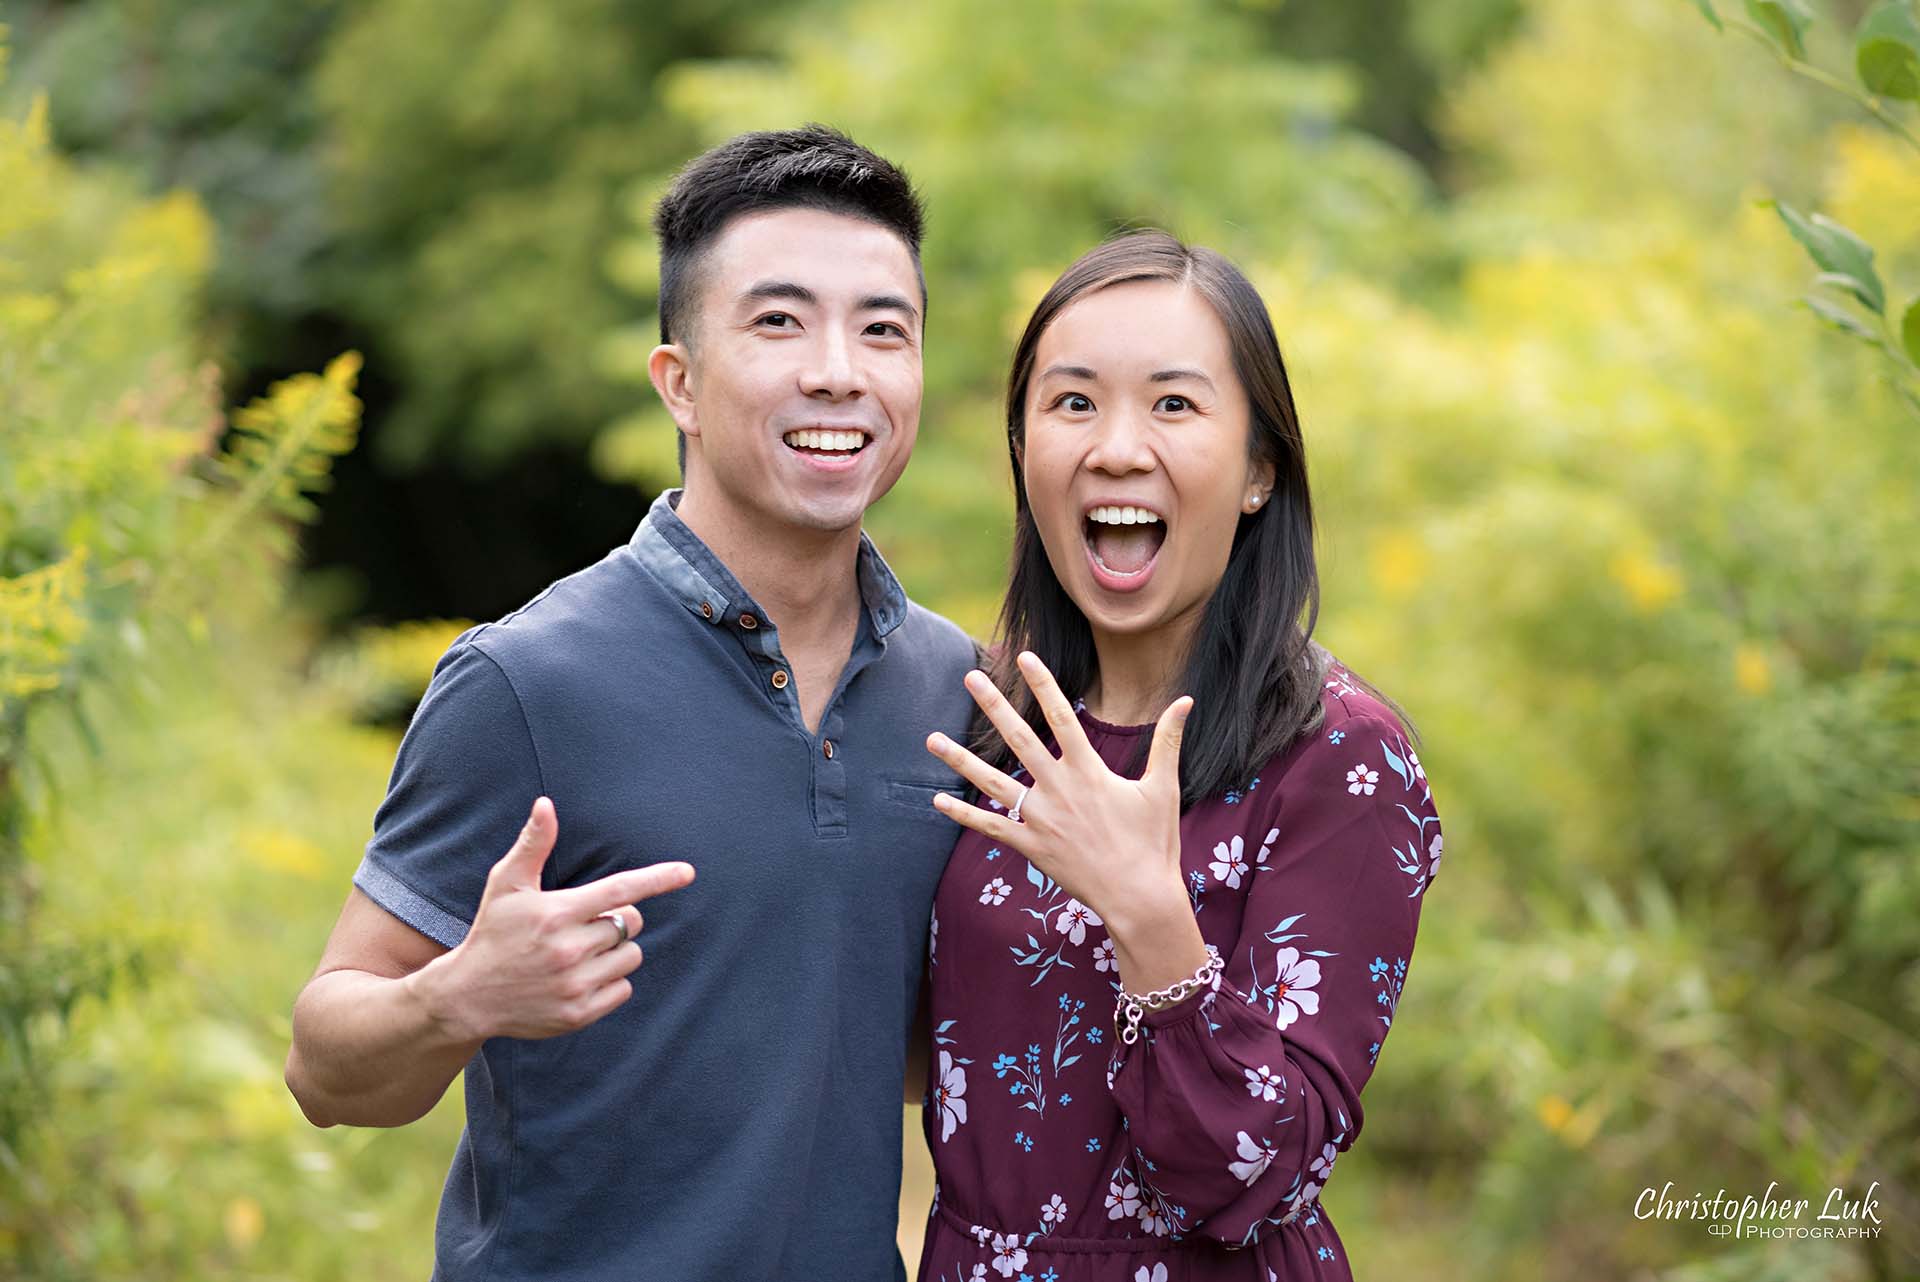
x,y
1070,371
1174,375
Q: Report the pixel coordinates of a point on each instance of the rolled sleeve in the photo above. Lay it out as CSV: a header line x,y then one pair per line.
x,y
462,784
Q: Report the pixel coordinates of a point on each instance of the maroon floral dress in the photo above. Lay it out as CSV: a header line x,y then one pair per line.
x,y
1063,1154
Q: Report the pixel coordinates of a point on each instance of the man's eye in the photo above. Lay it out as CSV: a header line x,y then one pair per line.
x,y
887,329
1173,404
779,320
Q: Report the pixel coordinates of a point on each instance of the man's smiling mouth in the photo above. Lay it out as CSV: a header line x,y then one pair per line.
x,y
826,443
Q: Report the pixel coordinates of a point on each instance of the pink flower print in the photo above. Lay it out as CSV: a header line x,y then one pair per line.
x,y
1323,1165
1293,986
1054,1213
1103,959
1229,862
1266,848
1123,1199
1433,856
1159,1274
1254,1159
1009,1257
995,892
1264,1083
1360,780
1153,1219
1074,920
947,1095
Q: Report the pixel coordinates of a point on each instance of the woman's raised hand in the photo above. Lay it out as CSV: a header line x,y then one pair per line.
x,y
1112,843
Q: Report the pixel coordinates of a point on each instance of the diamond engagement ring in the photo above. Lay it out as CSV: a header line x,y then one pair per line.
x,y
1019,801
619,919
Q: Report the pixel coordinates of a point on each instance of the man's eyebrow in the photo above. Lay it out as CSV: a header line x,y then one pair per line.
x,y
766,289
889,303
1070,371
1174,375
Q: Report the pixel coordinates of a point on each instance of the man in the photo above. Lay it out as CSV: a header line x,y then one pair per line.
x,y
742,690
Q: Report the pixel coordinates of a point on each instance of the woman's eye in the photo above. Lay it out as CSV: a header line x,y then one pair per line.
x,y
1074,403
1173,404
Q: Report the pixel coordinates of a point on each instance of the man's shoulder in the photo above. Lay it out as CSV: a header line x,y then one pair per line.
x,y
935,640
571,624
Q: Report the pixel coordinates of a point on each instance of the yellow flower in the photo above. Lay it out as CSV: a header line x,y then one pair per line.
x,y
1649,584
244,1222
1751,671
1398,561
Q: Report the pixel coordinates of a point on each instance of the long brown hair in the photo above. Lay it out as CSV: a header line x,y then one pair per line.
x,y
1253,671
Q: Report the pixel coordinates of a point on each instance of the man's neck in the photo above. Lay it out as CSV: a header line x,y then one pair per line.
x,y
807,581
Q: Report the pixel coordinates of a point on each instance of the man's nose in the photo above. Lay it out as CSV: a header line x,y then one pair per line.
x,y
833,370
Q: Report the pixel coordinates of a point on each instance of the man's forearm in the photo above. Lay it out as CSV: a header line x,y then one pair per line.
x,y
369,1050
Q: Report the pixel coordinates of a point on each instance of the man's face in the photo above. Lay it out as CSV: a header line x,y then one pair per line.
x,y
804,376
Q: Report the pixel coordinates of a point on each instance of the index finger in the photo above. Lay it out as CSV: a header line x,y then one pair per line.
x,y
623,888
1067,731
1013,728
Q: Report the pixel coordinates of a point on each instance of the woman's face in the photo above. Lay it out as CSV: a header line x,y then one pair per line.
x,y
1136,456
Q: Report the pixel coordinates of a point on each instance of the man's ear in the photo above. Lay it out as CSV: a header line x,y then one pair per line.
x,y
670,369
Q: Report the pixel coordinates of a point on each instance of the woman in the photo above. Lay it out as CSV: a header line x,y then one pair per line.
x,y
1171,938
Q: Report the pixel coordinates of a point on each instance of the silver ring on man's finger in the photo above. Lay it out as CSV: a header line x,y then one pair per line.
x,y
618,916
1019,801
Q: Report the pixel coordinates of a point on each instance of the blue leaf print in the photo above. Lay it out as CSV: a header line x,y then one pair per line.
x,y
1400,767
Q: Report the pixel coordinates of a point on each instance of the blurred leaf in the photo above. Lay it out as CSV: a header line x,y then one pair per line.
x,y
1887,50
1910,331
1785,20
1844,255
1839,318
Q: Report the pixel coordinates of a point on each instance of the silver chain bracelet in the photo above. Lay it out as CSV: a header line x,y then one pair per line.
x,y
1129,1009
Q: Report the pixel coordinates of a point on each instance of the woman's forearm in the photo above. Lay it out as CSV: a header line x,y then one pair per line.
x,y
1156,941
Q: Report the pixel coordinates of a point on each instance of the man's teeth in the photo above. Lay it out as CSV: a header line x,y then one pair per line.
x,y
836,441
1123,516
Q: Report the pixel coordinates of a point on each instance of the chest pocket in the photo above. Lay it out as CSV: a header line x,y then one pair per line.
x,y
912,796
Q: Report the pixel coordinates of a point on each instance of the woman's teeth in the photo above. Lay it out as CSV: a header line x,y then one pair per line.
x,y
1124,539
1122,516
831,442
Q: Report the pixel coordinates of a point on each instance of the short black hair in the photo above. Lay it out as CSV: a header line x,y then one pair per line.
x,y
813,167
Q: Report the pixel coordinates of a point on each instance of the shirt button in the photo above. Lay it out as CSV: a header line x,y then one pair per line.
x,y
780,678
827,747
706,609
748,622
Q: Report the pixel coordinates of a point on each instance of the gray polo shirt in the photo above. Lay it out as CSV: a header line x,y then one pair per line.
x,y
739,1117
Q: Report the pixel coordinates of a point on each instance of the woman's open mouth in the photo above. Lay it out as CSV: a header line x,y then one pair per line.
x,y
829,449
1123,545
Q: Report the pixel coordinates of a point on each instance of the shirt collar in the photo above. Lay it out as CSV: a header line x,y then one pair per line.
x,y
674,554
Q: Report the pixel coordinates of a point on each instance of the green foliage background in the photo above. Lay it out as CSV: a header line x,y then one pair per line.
x,y
1624,527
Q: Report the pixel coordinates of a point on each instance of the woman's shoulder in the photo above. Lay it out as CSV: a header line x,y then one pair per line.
x,y
1348,702
1353,719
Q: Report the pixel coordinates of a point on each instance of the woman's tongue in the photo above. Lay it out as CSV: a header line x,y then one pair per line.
x,y
1126,549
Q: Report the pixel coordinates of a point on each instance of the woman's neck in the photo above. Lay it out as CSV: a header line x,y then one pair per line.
x,y
1137,672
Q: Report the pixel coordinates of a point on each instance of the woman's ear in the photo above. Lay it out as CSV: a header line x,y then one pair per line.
x,y
670,369
1259,486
